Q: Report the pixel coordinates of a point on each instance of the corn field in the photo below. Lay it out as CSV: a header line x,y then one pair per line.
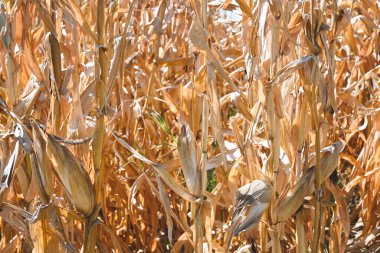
x,y
190,126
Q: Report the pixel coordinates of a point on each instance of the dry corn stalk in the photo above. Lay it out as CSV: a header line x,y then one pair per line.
x,y
289,204
74,67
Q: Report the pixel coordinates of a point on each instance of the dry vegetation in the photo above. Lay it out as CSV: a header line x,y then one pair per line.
x,y
206,126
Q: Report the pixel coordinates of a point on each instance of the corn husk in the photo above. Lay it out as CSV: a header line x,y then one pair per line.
x,y
251,201
289,204
72,175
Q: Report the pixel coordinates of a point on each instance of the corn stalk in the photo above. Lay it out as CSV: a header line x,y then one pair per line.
x,y
101,80
312,96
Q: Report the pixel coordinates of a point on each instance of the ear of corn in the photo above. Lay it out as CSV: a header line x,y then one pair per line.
x,y
72,176
188,154
290,203
251,200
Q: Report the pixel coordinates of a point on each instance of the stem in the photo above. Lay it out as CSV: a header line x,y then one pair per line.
x,y
201,181
100,97
91,231
56,63
312,99
263,232
301,245
44,227
301,136
318,217
275,134
301,241
201,173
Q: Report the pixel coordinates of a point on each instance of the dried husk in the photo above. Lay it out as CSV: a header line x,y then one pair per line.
x,y
72,176
187,151
43,170
252,199
289,204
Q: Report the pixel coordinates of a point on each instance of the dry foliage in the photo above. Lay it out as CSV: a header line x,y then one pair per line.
x,y
206,126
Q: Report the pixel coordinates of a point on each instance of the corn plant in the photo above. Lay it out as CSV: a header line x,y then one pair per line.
x,y
189,126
